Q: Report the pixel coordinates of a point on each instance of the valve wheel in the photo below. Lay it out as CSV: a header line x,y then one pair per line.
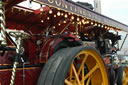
x,y
74,66
21,34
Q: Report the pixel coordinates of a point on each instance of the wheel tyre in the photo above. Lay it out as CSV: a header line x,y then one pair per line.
x,y
56,69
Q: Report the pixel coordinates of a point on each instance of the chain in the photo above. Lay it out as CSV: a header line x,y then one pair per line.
x,y
2,24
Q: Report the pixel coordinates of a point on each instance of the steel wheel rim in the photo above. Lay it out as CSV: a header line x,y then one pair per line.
x,y
125,76
96,70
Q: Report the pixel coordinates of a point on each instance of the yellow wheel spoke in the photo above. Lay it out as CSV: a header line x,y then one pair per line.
x,y
91,71
82,64
88,81
76,75
83,75
70,75
102,83
67,82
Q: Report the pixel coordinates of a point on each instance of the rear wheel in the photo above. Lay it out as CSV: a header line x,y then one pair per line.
x,y
122,76
74,66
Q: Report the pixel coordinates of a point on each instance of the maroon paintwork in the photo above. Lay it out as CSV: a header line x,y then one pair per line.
x,y
30,78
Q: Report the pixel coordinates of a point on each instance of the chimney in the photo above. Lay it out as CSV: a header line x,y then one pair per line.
x,y
97,6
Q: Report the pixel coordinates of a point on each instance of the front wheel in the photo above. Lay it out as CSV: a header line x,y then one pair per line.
x,y
74,66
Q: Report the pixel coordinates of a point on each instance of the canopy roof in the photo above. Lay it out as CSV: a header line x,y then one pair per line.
x,y
70,6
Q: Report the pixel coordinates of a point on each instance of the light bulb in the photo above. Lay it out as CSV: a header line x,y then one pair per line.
x,y
54,15
58,13
64,21
42,21
59,24
72,17
98,25
62,14
50,12
91,23
65,15
48,18
41,9
78,19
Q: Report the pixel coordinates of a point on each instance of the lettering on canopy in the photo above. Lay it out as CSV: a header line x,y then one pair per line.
x,y
62,4
83,11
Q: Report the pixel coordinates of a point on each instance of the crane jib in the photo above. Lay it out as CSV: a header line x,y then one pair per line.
x,y
83,11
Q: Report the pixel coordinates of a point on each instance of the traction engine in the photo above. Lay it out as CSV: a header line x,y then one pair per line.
x,y
61,43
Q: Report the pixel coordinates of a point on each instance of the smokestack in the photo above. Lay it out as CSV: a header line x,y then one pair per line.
x,y
97,6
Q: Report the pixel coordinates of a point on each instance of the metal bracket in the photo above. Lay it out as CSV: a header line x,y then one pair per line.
x,y
123,41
